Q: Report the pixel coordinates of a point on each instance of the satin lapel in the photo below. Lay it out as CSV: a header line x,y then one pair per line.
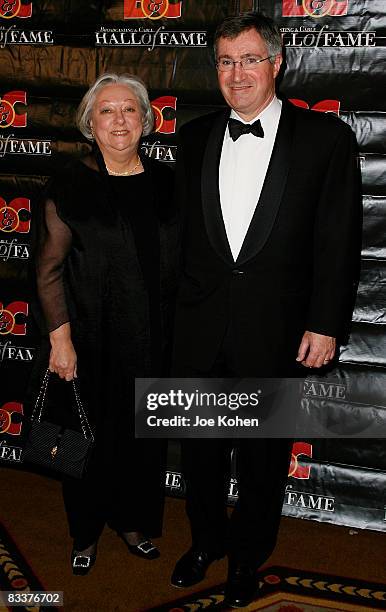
x,y
271,195
210,191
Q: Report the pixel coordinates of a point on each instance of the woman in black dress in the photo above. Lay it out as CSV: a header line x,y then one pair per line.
x,y
106,278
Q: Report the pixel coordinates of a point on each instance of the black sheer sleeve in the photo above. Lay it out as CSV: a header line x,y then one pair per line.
x,y
53,246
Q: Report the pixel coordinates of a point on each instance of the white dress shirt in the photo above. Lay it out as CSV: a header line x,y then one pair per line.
x,y
243,166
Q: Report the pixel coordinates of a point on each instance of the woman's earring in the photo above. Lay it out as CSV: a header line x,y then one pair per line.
x,y
92,133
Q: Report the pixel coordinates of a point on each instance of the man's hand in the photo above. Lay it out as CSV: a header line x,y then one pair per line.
x,y
316,350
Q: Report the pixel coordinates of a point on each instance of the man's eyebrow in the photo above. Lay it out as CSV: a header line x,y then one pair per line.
x,y
226,56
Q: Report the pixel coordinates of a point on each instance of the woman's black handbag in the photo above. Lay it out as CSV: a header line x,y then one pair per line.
x,y
56,446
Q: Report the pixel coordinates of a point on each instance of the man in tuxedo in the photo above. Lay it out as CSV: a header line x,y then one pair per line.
x,y
270,244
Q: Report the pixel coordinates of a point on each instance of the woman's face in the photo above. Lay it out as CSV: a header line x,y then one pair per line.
x,y
116,120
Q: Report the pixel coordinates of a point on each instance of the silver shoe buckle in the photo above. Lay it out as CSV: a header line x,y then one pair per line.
x,y
144,547
81,561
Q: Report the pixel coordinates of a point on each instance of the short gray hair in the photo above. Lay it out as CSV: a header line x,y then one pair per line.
x,y
131,81
234,25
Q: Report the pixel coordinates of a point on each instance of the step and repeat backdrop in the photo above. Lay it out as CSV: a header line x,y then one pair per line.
x,y
335,52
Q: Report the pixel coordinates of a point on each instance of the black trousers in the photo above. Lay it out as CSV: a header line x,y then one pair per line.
x,y
123,487
262,468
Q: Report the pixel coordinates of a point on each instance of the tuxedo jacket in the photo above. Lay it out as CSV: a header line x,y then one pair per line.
x,y
299,259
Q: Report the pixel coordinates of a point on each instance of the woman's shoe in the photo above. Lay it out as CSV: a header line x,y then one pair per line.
x,y
145,549
82,562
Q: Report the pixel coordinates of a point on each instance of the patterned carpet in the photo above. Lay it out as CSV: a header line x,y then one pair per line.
x,y
16,574
281,590
287,590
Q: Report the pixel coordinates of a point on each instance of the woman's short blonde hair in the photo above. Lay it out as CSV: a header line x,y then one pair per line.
x,y
134,83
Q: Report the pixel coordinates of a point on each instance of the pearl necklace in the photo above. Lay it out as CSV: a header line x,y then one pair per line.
x,y
127,173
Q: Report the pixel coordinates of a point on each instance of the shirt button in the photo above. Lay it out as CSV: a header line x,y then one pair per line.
x,y
236,272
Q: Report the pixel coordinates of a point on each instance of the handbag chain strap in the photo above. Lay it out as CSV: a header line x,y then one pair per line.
x,y
85,425
40,402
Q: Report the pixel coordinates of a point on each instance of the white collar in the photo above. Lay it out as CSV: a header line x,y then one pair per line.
x,y
269,117
269,112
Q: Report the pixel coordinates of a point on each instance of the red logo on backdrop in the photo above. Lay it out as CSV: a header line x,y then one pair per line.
x,y
144,9
314,8
6,423
14,8
15,216
8,116
8,314
163,107
324,106
300,471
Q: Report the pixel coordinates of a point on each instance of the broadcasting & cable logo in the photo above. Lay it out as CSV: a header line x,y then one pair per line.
x,y
144,9
314,8
14,8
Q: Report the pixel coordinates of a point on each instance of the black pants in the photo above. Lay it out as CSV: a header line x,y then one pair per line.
x,y
262,469
123,487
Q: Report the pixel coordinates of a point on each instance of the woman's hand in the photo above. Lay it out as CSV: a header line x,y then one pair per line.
x,y
63,355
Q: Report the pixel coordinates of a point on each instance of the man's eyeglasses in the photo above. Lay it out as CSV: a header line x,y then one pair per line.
x,y
247,63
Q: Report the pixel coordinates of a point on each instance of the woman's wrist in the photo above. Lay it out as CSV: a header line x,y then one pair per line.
x,y
61,335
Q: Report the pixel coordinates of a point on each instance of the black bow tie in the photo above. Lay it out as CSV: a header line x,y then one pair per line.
x,y
237,129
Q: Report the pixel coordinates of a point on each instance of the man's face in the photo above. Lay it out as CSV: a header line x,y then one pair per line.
x,y
248,92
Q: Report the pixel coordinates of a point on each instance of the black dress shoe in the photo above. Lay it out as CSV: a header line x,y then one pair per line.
x,y
81,563
191,568
242,585
145,550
